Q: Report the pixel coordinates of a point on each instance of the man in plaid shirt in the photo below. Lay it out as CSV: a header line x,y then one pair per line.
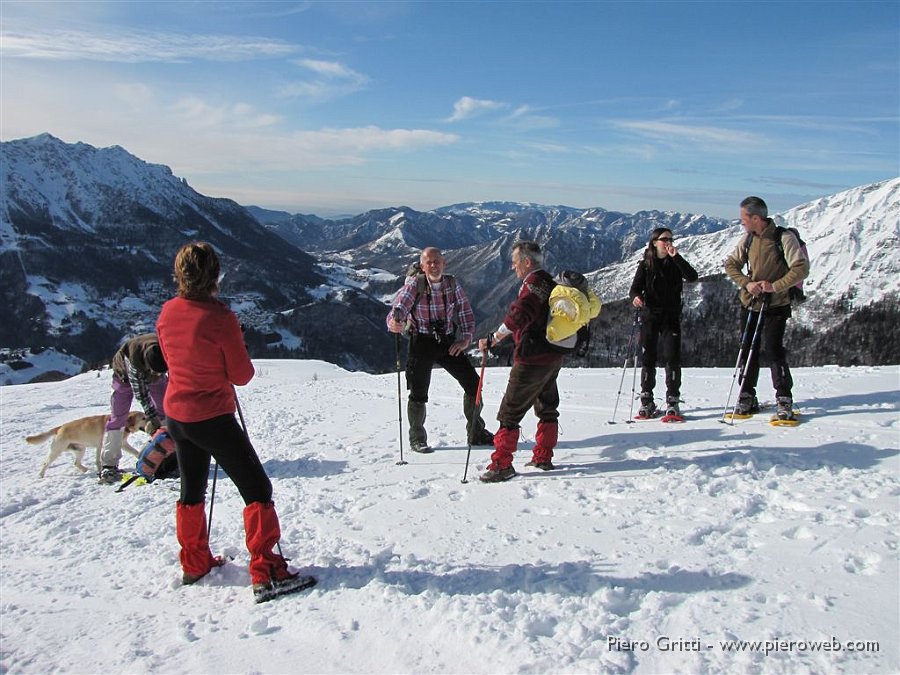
x,y
441,324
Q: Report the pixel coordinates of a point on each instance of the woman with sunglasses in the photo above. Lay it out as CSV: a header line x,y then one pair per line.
x,y
656,291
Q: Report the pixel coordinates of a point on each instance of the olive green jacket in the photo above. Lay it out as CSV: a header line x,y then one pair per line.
x,y
767,264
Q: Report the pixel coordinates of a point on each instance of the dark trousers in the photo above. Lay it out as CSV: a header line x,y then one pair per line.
x,y
771,345
530,386
223,439
664,329
424,353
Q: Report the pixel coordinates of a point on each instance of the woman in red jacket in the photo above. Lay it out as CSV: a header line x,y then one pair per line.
x,y
203,345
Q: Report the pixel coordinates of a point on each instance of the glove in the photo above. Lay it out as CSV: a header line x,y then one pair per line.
x,y
151,425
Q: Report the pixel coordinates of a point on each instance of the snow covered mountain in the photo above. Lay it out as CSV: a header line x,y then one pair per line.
x,y
87,237
593,238
851,315
853,239
477,239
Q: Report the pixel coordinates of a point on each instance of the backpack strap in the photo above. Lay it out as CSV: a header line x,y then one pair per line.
x,y
424,288
779,232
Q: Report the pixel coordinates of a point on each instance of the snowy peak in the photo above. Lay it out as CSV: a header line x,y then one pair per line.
x,y
87,239
853,239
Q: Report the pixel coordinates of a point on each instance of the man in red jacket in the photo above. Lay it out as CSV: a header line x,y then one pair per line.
x,y
532,379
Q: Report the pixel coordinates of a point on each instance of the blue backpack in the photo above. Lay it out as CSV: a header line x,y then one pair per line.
x,y
151,464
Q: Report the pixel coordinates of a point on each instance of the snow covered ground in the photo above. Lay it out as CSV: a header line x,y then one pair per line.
x,y
654,548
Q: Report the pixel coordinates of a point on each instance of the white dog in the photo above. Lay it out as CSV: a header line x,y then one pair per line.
x,y
78,435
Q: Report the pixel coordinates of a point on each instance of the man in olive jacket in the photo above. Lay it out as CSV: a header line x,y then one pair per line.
x,y
770,274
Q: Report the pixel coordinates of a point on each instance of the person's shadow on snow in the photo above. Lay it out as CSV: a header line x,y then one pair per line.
x,y
303,467
838,455
577,579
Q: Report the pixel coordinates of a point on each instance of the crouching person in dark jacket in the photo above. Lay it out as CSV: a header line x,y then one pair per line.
x,y
139,371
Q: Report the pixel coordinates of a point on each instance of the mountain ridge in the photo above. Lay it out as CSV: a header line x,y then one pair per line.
x,y
87,237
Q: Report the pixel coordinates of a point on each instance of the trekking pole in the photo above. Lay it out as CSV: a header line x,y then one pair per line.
x,y
399,401
634,355
737,364
475,412
741,369
240,413
628,347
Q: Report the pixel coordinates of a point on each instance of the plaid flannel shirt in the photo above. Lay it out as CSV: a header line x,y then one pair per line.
x,y
439,305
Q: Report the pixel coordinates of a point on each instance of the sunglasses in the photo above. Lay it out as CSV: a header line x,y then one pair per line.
x,y
667,239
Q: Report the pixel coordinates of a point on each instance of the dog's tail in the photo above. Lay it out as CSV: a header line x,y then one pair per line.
x,y
40,438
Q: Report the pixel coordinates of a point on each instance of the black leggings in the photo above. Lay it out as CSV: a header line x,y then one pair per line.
x,y
665,329
220,438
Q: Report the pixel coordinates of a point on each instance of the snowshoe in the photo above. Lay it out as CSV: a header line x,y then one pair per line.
x,y
647,412
269,590
648,407
673,414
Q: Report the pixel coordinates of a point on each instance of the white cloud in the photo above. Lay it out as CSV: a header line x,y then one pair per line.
x,y
137,47
708,136
332,79
468,107
331,69
192,134
524,119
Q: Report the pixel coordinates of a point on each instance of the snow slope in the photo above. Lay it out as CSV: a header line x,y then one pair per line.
x,y
675,538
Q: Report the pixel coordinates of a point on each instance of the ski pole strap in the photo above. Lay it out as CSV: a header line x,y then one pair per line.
x,y
128,482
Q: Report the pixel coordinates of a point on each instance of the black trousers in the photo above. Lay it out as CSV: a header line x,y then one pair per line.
x,y
223,439
771,345
424,353
661,329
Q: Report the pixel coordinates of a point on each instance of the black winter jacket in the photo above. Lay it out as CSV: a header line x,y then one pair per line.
x,y
660,284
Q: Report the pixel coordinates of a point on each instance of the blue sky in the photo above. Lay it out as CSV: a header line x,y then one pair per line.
x,y
340,107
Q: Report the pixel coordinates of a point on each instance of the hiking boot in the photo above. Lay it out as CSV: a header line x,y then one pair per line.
x,y
493,475
672,407
421,447
543,466
747,405
485,438
647,409
785,409
267,590
188,579
109,475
